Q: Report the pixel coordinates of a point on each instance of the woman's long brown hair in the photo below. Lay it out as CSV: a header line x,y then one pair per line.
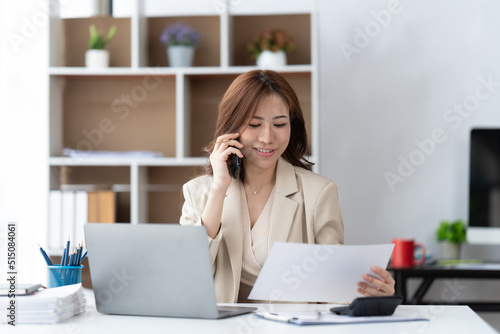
x,y
243,98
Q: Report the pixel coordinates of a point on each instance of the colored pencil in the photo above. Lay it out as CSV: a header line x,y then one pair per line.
x,y
79,254
45,256
67,251
65,256
72,258
83,257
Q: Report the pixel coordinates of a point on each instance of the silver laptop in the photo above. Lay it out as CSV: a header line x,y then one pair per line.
x,y
153,270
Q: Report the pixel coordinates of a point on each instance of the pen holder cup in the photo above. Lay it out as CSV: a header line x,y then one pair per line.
x,y
63,275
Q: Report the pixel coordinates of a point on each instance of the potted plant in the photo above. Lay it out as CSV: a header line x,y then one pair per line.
x,y
270,48
451,235
180,40
96,55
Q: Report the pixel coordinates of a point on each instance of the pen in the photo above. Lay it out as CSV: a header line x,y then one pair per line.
x,y
47,259
277,317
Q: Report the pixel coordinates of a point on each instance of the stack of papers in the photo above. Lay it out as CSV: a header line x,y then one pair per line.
x,y
47,306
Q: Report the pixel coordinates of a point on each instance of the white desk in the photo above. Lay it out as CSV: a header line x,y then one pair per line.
x,y
444,319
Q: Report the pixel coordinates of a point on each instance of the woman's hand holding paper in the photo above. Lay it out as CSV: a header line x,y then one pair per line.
x,y
373,286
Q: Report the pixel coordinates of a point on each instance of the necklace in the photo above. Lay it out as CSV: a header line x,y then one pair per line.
x,y
255,192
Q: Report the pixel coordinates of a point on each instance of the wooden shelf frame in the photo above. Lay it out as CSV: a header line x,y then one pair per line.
x,y
192,102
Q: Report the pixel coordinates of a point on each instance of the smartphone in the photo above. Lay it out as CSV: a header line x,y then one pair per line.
x,y
234,165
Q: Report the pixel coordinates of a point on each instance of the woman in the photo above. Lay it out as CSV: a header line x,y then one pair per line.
x,y
275,198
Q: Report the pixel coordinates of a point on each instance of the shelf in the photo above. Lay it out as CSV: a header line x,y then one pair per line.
x,y
246,27
208,51
117,188
167,71
139,103
74,34
65,161
104,176
114,114
173,162
162,191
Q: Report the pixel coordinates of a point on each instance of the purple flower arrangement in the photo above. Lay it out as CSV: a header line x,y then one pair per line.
x,y
180,34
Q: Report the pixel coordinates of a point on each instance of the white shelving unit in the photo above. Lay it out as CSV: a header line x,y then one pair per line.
x,y
175,117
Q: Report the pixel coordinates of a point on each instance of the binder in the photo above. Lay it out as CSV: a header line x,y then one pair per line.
x,y
68,215
107,206
55,218
81,214
102,206
92,213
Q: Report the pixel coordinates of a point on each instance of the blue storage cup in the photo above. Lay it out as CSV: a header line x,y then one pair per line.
x,y
58,275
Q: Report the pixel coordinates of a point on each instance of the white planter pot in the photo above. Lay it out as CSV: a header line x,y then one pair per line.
x,y
97,58
450,251
269,59
180,55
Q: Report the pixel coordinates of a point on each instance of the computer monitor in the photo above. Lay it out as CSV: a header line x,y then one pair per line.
x,y
484,187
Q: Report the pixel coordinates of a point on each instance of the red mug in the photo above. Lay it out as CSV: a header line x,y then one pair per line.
x,y
403,254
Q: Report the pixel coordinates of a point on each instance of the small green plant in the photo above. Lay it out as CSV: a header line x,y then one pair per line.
x,y
454,232
97,41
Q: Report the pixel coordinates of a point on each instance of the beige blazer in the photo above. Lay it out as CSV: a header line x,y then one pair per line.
x,y
305,209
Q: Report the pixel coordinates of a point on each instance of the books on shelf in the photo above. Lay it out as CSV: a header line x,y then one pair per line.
x,y
55,219
70,210
47,306
81,215
68,225
101,206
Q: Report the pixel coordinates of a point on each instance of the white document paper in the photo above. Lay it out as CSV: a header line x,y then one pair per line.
x,y
321,318
317,273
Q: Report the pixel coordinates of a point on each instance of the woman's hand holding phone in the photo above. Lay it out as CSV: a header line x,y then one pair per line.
x,y
225,145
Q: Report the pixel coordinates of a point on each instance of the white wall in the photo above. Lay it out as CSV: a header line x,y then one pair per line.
x,y
394,89
23,134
